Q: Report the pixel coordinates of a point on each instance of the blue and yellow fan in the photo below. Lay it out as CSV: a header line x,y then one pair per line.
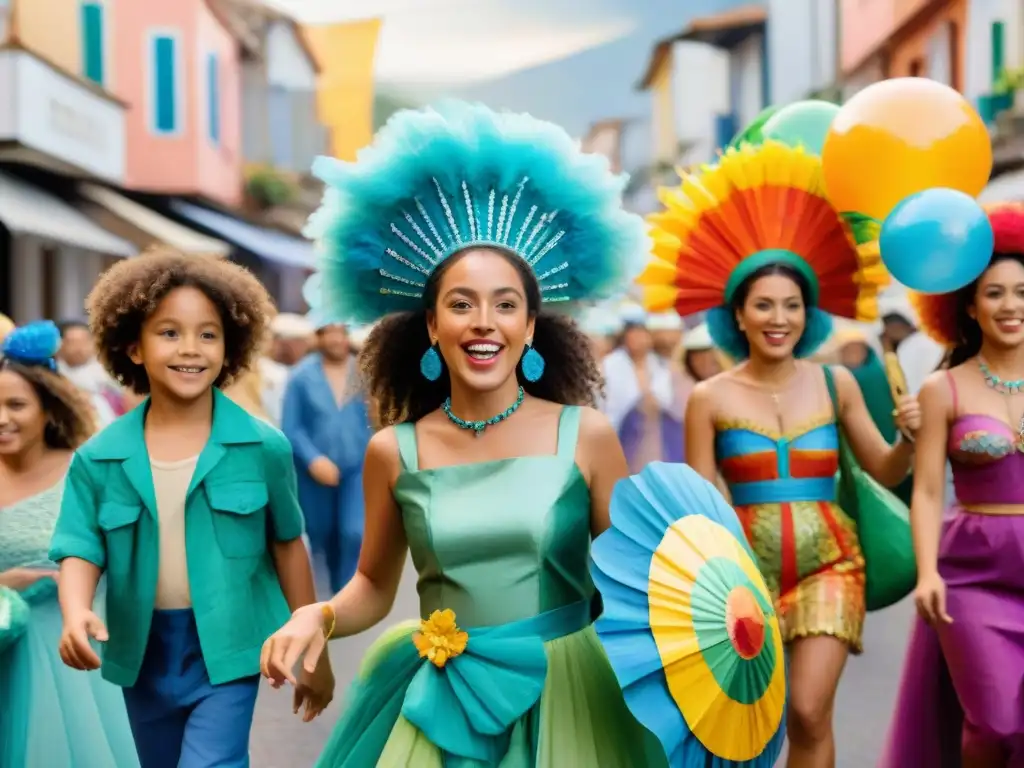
x,y
688,624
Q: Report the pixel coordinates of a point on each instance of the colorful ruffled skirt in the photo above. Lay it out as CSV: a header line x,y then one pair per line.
x,y
537,693
52,715
810,557
966,679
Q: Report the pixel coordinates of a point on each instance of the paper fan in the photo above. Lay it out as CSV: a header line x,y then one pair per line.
x,y
688,624
757,205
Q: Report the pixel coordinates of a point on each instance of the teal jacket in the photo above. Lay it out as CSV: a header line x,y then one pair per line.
x,y
242,497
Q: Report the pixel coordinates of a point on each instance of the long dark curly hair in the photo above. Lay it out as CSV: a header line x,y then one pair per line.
x,y
390,359
70,417
968,345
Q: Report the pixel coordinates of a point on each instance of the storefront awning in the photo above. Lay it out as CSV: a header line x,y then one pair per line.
x,y
265,243
28,210
160,228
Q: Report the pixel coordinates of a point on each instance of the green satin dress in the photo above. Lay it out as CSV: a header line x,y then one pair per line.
x,y
504,545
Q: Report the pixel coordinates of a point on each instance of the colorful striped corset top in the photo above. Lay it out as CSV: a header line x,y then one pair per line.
x,y
762,466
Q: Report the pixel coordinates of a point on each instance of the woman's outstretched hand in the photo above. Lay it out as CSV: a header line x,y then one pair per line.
x,y
302,638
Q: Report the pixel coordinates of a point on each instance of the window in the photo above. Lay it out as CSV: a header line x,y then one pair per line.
x,y
165,96
92,41
213,97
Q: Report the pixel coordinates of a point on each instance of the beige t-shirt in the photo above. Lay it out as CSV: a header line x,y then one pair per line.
x,y
170,483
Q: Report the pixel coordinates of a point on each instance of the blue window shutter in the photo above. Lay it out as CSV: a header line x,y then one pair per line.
x,y
165,96
725,129
92,41
213,97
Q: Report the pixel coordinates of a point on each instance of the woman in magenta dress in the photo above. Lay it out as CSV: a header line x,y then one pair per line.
x,y
971,578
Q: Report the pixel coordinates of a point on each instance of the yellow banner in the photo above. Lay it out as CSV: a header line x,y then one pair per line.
x,y
346,52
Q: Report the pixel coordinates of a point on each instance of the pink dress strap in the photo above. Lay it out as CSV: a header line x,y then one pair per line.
x,y
952,390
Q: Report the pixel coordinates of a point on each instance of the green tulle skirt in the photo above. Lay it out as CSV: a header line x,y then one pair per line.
x,y
52,715
579,721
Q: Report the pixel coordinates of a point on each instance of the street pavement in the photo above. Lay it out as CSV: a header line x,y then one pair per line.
x,y
863,709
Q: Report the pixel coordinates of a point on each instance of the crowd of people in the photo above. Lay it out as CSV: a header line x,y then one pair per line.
x,y
176,467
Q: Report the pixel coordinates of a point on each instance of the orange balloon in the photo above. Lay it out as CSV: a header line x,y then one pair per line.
x,y
902,136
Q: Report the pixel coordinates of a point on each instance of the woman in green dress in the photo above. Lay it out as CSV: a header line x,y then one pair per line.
x,y
491,468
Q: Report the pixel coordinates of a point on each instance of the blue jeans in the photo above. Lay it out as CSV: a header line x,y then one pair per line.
x,y
178,718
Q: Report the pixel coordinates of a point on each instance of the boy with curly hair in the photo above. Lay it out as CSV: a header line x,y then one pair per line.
x,y
188,505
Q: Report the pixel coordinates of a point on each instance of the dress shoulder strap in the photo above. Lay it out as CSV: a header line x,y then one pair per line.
x,y
568,431
952,391
833,394
405,433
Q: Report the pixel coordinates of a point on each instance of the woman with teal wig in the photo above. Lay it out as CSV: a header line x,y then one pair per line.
x,y
754,242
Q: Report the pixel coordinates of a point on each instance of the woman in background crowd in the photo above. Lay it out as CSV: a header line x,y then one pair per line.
x,y
641,397
50,715
698,355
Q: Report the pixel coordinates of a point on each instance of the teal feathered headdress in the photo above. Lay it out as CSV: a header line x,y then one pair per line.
x,y
440,180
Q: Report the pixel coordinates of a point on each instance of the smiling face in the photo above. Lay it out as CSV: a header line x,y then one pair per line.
x,y
773,317
999,303
481,322
182,345
22,417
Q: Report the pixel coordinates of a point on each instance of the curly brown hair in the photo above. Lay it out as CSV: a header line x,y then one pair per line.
x,y
129,292
70,416
390,359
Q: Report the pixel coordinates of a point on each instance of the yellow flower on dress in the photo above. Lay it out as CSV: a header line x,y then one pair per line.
x,y
439,638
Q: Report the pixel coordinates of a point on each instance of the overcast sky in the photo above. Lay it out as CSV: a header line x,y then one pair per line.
x,y
571,61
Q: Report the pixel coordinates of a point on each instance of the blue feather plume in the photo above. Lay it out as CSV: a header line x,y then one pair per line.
x,y
33,344
438,180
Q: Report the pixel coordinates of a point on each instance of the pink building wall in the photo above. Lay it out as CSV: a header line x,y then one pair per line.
x,y
219,170
865,24
185,162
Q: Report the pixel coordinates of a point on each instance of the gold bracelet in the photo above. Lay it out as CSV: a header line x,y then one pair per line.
x,y
328,615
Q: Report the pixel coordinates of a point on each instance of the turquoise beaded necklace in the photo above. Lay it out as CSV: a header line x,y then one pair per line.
x,y
997,383
478,427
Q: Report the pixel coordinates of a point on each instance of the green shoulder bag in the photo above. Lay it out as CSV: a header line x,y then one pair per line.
x,y
883,524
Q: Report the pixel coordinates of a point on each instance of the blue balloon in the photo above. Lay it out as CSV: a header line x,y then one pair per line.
x,y
937,241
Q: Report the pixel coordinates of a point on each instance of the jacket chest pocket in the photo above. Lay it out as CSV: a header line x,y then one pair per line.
x,y
119,522
239,517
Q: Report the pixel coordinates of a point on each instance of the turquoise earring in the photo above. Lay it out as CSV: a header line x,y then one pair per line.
x,y
532,364
430,364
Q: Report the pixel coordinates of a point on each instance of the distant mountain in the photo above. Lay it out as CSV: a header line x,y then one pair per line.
x,y
601,82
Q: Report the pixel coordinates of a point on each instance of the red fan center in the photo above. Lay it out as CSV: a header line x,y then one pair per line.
x,y
744,620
